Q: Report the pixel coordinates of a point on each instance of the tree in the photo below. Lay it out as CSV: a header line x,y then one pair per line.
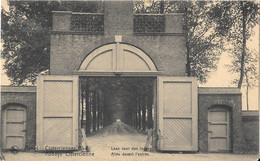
x,y
237,19
244,15
26,30
251,76
204,41
250,69
208,26
204,34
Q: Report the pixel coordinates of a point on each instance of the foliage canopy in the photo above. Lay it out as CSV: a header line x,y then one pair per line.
x,y
26,30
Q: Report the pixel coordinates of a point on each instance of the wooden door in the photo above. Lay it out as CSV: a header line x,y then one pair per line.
x,y
14,127
57,112
177,114
219,130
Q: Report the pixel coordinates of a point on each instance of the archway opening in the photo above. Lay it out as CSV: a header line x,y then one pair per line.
x,y
117,108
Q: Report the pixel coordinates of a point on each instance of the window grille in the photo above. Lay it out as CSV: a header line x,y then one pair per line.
x,y
145,23
91,23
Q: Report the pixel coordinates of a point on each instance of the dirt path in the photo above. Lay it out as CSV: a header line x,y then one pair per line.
x,y
121,142
117,128
117,138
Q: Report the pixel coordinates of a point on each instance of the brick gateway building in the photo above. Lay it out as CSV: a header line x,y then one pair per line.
x,y
118,44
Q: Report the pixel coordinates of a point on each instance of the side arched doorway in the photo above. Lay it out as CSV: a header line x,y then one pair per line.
x,y
14,126
219,126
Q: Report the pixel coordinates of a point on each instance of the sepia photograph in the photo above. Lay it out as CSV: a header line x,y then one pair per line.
x,y
115,80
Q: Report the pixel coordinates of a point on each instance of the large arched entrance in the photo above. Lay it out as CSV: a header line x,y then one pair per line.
x,y
119,85
116,83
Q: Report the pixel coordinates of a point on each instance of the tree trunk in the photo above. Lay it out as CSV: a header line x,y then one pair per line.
x,y
98,109
133,112
136,112
143,111
243,46
133,109
88,111
130,113
82,121
247,88
107,112
247,104
102,109
82,104
94,110
105,109
139,112
149,111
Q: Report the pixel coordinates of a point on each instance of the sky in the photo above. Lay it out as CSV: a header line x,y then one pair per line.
x,y
223,78
220,78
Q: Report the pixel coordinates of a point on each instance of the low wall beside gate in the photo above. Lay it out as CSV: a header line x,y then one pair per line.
x,y
24,97
250,127
229,98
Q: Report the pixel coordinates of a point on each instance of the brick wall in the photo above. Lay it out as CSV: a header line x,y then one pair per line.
x,y
226,97
25,96
69,49
250,127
